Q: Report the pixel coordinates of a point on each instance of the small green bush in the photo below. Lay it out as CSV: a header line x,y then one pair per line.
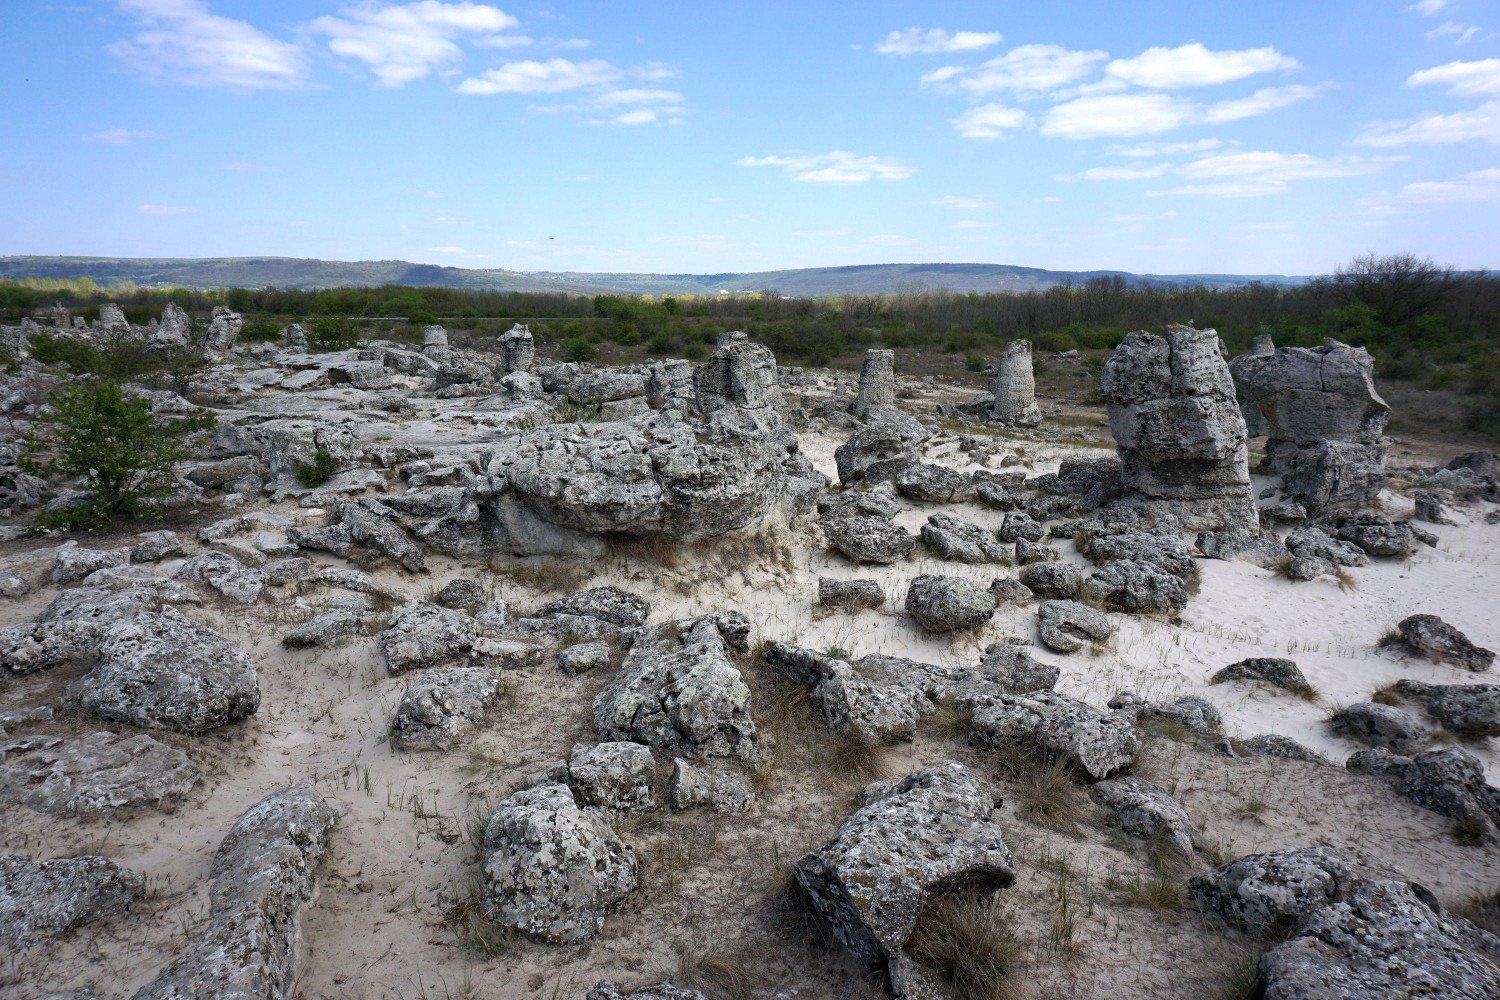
x,y
318,472
261,330
332,333
974,363
578,349
123,451
76,354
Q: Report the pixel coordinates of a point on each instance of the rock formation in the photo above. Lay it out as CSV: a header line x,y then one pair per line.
x,y
877,382
1014,387
517,350
1178,428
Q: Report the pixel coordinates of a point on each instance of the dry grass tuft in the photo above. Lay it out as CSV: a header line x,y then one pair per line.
x,y
1346,579
467,920
652,551
1161,890
948,721
1386,695
1481,909
1469,831
1043,786
857,754
965,940
548,575
719,974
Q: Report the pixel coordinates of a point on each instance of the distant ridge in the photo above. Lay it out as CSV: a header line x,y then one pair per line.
x,y
808,282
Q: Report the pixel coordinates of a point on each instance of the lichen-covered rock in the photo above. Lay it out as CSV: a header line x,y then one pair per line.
x,y
1143,810
44,898
585,657
424,635
70,628
1442,643
706,786
1315,543
877,382
1377,725
927,834
885,706
1450,782
1377,536
1135,586
93,774
1064,626
1096,744
1274,745
1028,552
881,448
264,873
162,671
444,705
850,595
605,604
1284,674
1270,894
934,484
329,628
1262,549
678,690
947,603
225,574
616,776
1013,389
1469,710
869,539
962,541
156,545
1009,667
1384,942
73,562
661,991
460,594
1052,580
1189,712
1019,525
1330,474
553,869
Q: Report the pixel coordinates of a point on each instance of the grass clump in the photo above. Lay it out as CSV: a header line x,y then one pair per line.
x,y
1161,890
965,940
1469,831
857,754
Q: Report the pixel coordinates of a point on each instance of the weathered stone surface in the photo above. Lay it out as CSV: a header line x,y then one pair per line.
x,y
928,483
156,545
162,671
1019,525
885,706
43,898
424,635
881,448
372,524
73,562
517,350
962,541
616,776
1383,943
585,657
1450,782
678,690
70,629
1052,580
947,603
1013,389
1143,810
850,595
329,628
1136,587
1178,427
927,834
264,873
605,604
1028,552
1270,894
1284,674
460,594
661,991
1162,549
1284,747
1376,535
877,501
705,786
223,328
1442,643
225,574
1331,473
443,706
552,869
1469,710
1315,543
1009,667
1096,744
93,774
1064,626
1261,548
877,382
1377,725
869,539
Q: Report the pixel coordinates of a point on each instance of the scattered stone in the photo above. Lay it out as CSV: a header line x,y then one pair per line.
x,y
850,595
699,786
1442,643
1272,894
460,594
661,991
1430,508
1053,580
880,704
13,586
1064,626
878,501
1377,536
1018,525
424,635
585,657
225,574
605,604
1450,782
73,562
1009,591
1096,744
869,539
1143,810
1284,674
93,774
615,776
553,869
934,484
962,541
1190,712
1469,710
1377,725
443,706
881,448
331,627
45,898
1134,586
156,545
1009,667
1273,745
947,603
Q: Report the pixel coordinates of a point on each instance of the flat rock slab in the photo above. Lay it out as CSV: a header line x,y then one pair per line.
x,y
44,898
93,774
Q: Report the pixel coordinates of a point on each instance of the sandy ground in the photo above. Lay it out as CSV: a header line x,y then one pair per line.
x,y
711,908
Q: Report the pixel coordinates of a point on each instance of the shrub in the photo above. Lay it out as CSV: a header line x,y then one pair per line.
x,y
318,472
332,333
578,349
76,354
124,452
260,330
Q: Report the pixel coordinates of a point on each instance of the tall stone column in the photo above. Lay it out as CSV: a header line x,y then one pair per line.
x,y
1014,387
877,382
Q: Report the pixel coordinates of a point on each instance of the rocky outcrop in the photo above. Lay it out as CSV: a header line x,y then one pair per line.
x,y
223,328
1178,428
264,873
877,383
1095,744
1450,782
1440,642
1143,810
444,705
913,840
43,898
869,539
93,774
1270,894
1376,725
553,869
1064,626
880,449
1013,388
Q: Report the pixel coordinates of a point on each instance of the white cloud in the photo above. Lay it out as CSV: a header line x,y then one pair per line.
x,y
959,201
1263,100
1481,124
550,76
640,116
1117,115
837,167
1193,65
916,41
450,251
1427,8
1144,150
1462,34
988,121
402,43
1026,69
1140,173
165,210
639,96
972,224
1259,172
244,167
121,136
1480,185
1464,79
183,42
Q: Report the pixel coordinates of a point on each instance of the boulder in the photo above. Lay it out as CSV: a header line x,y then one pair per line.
x,y
460,594
73,562
1136,587
1267,895
962,541
329,628
155,545
881,698
1284,674
947,603
850,595
1143,810
1377,725
869,539
424,635
70,628
1442,643
1468,710
1009,667
881,448
93,774
1450,782
1019,525
605,604
44,898
1095,744
1166,551
553,869
225,574
661,991
1064,626
442,706
614,776
934,484
1052,580
714,787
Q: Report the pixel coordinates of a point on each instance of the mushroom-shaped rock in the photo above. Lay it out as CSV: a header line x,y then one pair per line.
x,y
553,869
926,835
947,603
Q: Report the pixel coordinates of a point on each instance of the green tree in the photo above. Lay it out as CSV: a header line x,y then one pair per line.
x,y
332,333
123,451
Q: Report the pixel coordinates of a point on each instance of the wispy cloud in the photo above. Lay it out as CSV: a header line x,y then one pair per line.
x,y
1427,8
1481,124
1462,34
1142,150
837,167
1478,78
183,42
165,210
961,202
1260,172
449,251
988,121
917,41
1151,113
402,43
121,136
1194,65
550,76
1026,70
1479,185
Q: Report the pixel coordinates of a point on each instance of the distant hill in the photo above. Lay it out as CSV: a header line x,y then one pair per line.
x,y
808,282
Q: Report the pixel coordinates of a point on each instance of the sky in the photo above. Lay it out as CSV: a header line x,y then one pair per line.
x,y
1154,137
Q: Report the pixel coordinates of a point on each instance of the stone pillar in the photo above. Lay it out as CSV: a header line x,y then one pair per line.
x,y
175,328
517,350
223,328
1262,346
732,337
1014,387
1178,428
877,382
296,337
434,336
112,318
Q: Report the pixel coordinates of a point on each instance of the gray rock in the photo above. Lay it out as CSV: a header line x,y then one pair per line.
x,y
1260,548
881,698
1377,725
162,671
881,448
678,690
93,774
934,484
1033,552
605,604
372,524
1329,474
1430,508
335,539
1018,525
1469,710
1008,591
70,629
213,475
1377,535
225,574
156,545
585,657
995,494
45,898
1064,626
73,562
1013,389
13,586
517,349
1450,782
1166,552
947,603
962,541
1052,580
1143,810
923,836
460,594
1009,667
878,501
1096,744
1190,712
443,706
869,539
877,382
552,869
1272,894
223,327
264,873
1442,643
661,991
424,635
332,627
614,776
1284,747
699,786
1284,674
1382,943
1136,587
850,595
1315,543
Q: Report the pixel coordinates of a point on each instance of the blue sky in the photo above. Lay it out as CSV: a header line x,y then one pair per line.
x,y
1153,136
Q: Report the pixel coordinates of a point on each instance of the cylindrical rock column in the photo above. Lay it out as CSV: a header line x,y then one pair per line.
x,y
296,337
517,350
1014,387
877,381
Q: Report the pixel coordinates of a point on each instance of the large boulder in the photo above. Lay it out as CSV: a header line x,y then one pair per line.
x,y
1136,586
1143,810
948,603
425,635
1269,894
1440,642
162,671
880,449
442,706
1064,626
926,835
869,539
43,898
1095,744
553,869
1450,782
93,774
